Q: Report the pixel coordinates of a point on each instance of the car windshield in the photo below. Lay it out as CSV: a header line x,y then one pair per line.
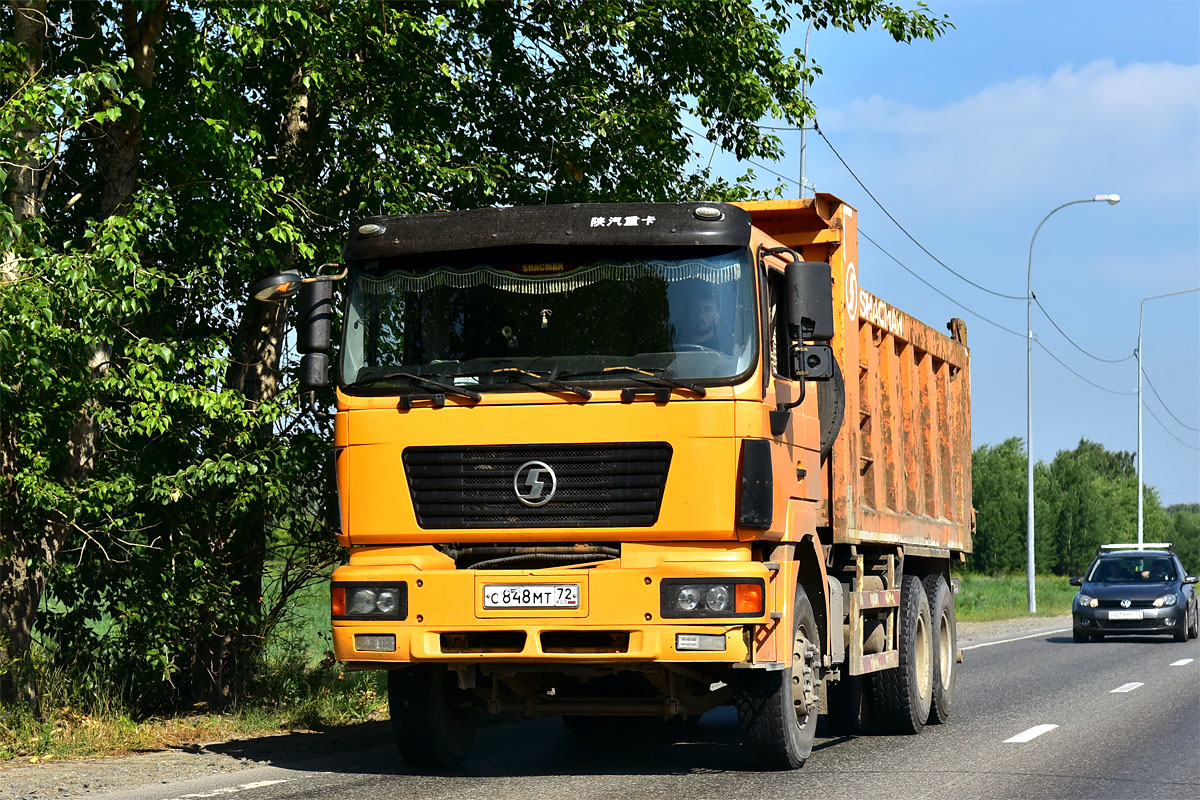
x,y
495,322
1132,569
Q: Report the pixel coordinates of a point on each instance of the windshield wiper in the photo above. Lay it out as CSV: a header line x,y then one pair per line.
x,y
420,379
651,376
544,377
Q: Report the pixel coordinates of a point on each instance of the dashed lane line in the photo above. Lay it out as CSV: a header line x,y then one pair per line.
x,y
1031,734
1183,662
1128,687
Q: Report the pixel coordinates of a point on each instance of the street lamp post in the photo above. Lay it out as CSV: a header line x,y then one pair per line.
x,y
1111,199
804,100
1138,352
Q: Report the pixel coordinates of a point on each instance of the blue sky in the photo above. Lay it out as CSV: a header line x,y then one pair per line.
x,y
969,141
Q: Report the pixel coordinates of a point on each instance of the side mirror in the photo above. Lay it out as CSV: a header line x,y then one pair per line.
x,y
810,300
315,304
811,362
1191,579
1076,581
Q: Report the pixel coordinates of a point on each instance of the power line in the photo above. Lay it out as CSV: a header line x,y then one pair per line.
x,y
1058,328
1077,375
1168,432
934,288
943,264
1164,403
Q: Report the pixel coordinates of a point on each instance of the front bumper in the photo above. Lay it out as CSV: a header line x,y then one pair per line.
x,y
1153,620
619,619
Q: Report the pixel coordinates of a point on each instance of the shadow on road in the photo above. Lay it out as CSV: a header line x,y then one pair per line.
x,y
519,748
1116,637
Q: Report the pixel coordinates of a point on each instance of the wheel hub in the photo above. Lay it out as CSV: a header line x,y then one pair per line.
x,y
804,676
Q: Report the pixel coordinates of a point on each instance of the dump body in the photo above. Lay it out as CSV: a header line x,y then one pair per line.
x,y
901,465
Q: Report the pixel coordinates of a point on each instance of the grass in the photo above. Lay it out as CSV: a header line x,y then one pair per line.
x,y
986,598
300,687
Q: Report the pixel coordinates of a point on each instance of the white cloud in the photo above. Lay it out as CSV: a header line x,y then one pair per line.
x,y
1098,128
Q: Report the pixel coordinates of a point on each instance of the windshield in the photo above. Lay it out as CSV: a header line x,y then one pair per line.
x,y
690,317
1134,569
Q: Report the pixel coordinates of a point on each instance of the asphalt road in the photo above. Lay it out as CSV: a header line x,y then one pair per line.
x,y
1035,717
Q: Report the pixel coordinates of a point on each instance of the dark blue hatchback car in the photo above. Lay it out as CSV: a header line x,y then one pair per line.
x,y
1141,589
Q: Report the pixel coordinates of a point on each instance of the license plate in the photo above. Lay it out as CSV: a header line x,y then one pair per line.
x,y
531,595
1125,614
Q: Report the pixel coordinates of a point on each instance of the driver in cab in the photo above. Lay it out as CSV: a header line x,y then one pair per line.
x,y
697,322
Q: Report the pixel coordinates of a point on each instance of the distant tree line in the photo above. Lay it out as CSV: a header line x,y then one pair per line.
x,y
1084,498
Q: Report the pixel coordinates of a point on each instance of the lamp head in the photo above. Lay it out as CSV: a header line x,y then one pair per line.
x,y
276,288
1111,199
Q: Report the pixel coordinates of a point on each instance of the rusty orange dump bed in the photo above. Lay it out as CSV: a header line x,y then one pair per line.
x,y
900,470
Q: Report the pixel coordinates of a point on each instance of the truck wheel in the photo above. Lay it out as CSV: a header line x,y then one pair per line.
x,y
902,695
831,408
945,647
432,719
778,710
849,705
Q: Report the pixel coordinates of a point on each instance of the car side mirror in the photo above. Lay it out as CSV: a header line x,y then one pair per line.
x,y
1192,579
1076,581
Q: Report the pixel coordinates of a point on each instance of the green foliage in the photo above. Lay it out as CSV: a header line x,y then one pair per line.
x,y
1086,497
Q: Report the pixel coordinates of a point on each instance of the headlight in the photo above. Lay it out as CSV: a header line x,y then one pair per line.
x,y
360,601
1165,600
1085,601
737,597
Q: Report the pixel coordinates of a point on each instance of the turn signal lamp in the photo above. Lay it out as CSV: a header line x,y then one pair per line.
x,y
749,598
338,601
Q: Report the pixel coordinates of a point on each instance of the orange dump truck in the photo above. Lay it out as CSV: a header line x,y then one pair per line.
x,y
627,463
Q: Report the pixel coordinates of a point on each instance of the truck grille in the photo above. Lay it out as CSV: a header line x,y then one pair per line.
x,y
597,485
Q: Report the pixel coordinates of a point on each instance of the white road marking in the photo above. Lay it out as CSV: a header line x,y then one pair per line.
x,y
1128,687
1183,662
1015,639
1031,734
231,789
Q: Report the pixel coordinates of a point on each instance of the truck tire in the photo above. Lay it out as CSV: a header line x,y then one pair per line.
x,y
778,709
433,720
902,695
945,647
849,705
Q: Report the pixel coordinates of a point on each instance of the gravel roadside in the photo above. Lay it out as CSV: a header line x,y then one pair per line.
x,y
53,779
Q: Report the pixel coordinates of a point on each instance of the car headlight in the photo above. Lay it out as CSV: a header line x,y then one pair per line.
x,y
737,597
1165,600
366,601
1085,601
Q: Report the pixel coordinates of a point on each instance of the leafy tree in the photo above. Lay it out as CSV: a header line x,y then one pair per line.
x,y
164,155
998,477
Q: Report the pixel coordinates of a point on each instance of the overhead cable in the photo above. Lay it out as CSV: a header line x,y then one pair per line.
x,y
1168,431
904,267
1164,403
925,250
1058,328
1077,375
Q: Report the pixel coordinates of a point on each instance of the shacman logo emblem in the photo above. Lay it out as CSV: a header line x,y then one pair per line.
x,y
535,483
1126,603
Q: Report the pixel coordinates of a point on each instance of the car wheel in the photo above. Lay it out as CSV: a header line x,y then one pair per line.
x,y
1194,631
1081,636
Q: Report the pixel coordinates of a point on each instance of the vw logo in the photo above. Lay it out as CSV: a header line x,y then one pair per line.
x,y
535,483
1126,603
